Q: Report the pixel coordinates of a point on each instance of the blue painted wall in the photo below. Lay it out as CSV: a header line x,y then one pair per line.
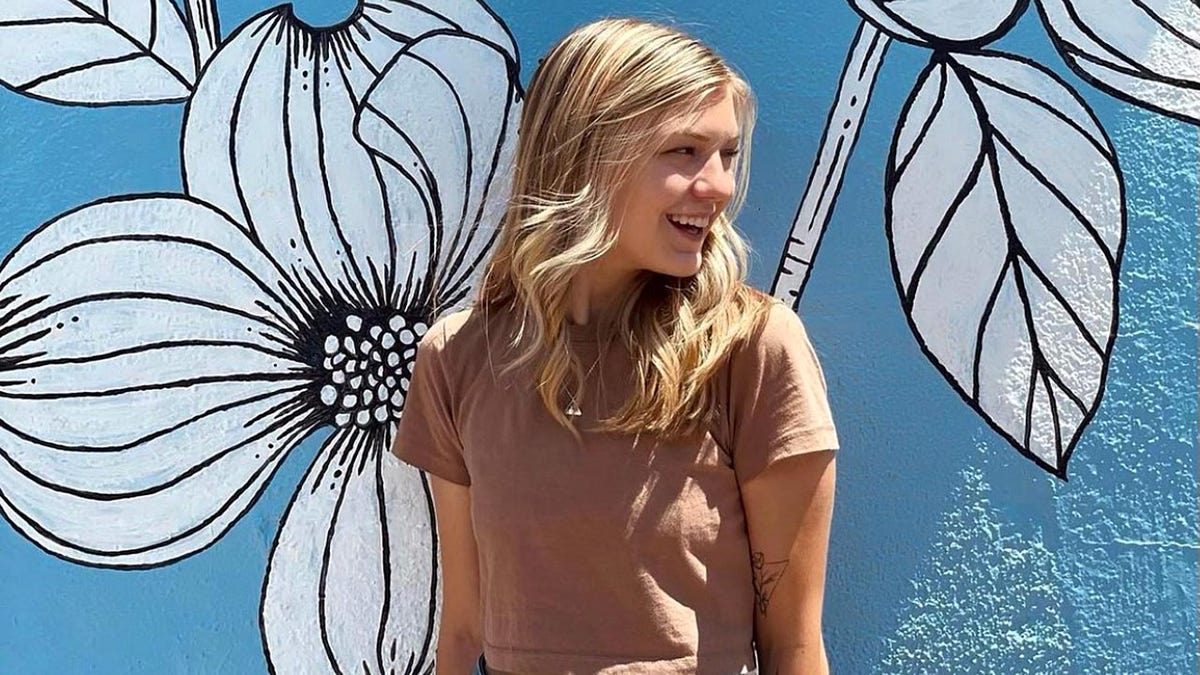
x,y
950,552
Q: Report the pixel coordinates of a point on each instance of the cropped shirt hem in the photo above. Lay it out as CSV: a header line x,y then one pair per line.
x,y
553,663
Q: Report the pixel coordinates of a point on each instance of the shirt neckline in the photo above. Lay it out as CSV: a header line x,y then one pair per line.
x,y
590,332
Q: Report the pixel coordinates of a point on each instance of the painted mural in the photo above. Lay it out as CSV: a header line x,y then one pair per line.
x,y
341,187
338,193
1005,204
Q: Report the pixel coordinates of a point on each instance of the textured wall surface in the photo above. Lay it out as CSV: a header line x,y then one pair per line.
x,y
951,551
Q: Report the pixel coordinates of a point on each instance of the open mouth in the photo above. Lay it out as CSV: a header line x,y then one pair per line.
x,y
687,225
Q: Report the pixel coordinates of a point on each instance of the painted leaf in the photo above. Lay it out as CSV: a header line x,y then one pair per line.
x,y
96,52
943,22
1006,221
1146,52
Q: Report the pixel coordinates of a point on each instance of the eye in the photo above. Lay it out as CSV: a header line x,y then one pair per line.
x,y
685,150
731,152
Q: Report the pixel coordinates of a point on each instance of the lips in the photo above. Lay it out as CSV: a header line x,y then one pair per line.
x,y
690,231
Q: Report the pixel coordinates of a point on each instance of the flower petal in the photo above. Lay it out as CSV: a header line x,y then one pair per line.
x,y
150,503
143,405
351,582
442,123
403,17
176,317
262,141
201,241
268,138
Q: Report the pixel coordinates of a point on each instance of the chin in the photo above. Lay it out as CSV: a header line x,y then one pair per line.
x,y
681,271
674,264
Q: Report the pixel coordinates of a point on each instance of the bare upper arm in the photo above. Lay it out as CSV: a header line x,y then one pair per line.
x,y
789,508
460,623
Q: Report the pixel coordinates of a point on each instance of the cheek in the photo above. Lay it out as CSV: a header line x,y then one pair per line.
x,y
671,189
641,211
640,229
639,207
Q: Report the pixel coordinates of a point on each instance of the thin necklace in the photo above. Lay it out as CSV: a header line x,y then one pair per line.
x,y
572,409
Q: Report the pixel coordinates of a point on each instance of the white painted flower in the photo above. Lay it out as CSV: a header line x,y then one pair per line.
x,y
161,354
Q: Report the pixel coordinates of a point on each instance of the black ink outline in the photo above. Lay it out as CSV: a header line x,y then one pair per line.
x,y
765,575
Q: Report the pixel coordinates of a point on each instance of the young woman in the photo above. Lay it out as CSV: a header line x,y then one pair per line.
x,y
629,448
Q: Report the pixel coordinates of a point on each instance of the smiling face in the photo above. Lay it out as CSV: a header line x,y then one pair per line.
x,y
665,208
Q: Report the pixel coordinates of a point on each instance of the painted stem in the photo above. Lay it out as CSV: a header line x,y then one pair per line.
x,y
829,169
202,19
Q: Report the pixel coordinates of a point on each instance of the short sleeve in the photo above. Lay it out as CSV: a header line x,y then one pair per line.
x,y
777,403
426,436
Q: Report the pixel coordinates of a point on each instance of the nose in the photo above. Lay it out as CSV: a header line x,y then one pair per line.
x,y
715,180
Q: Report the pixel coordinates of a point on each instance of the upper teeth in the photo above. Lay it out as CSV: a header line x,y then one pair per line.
x,y
694,221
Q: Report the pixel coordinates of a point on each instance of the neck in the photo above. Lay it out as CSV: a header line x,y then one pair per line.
x,y
596,295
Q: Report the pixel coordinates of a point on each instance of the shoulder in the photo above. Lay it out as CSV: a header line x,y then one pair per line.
x,y
439,344
437,334
464,335
773,386
778,351
771,334
777,328
446,329
781,326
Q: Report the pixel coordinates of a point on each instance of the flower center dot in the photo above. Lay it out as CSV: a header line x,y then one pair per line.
x,y
367,370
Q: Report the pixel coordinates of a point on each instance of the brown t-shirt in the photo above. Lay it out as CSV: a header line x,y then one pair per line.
x,y
615,556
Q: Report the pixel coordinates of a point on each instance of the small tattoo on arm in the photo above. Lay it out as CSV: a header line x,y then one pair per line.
x,y
766,577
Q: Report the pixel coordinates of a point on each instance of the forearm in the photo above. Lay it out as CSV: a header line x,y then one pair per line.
x,y
456,656
794,660
789,509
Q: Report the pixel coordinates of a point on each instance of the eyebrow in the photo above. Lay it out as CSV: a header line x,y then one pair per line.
x,y
703,138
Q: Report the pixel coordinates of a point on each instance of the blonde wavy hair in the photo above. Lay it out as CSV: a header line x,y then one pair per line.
x,y
596,110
